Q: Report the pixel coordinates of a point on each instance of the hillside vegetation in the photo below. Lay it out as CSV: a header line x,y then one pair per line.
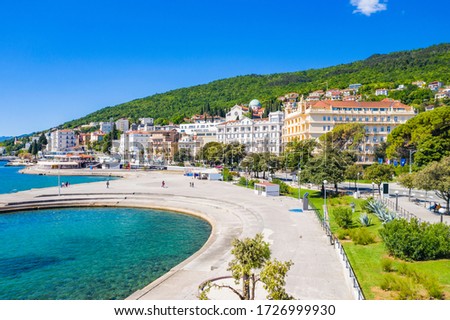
x,y
380,70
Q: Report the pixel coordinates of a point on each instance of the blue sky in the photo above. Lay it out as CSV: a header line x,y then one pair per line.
x,y
60,60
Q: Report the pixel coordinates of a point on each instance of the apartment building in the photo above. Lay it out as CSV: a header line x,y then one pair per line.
x,y
62,140
259,135
311,120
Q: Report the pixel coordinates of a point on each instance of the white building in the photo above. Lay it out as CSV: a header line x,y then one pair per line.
x,y
191,143
259,135
381,92
63,140
236,113
122,125
106,127
146,121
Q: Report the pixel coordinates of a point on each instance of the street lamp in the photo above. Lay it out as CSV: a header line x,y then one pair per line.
x,y
325,211
396,200
411,152
357,181
373,189
59,180
299,183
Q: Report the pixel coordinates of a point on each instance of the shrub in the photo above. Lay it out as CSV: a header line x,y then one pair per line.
x,y
227,175
380,210
386,265
242,181
388,283
284,188
362,236
343,217
343,234
365,220
416,241
251,182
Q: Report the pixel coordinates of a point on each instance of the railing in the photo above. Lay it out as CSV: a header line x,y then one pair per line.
x,y
335,242
401,212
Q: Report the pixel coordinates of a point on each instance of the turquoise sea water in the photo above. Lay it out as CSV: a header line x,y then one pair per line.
x,y
12,181
92,253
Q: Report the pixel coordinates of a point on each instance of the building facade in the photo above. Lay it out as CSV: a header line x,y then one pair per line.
x,y
63,140
311,120
258,135
122,125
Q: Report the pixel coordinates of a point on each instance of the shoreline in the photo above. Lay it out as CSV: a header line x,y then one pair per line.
x,y
231,211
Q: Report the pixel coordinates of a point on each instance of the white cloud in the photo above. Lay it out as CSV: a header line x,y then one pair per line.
x,y
367,7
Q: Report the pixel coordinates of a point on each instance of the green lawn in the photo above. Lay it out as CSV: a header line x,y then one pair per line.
x,y
366,260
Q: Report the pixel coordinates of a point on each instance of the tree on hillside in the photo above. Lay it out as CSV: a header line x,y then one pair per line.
x,y
42,142
379,173
436,176
252,265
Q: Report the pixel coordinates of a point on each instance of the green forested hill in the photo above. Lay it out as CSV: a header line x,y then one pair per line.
x,y
380,70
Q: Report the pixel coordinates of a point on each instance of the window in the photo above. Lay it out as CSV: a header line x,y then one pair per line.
x,y
324,118
329,118
367,119
374,119
324,128
374,129
395,119
382,129
388,129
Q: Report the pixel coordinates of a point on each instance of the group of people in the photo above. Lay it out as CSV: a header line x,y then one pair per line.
x,y
435,207
191,184
65,184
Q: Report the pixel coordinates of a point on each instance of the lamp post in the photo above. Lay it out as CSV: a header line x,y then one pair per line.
x,y
357,182
325,211
59,180
373,189
396,200
411,152
299,184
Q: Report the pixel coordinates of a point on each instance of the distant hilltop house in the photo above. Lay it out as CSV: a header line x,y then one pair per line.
x,y
435,85
420,83
381,92
443,93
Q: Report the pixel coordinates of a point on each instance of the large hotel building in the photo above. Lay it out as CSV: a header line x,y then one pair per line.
x,y
309,120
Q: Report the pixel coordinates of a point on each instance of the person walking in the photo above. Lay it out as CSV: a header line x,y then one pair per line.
x,y
107,184
163,184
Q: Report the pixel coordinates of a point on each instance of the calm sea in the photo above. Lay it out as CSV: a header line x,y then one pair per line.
x,y
12,181
92,253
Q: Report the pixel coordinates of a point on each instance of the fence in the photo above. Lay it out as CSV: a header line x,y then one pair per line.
x,y
337,245
401,212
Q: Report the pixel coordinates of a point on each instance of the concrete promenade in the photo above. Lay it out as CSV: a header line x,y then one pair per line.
x,y
234,212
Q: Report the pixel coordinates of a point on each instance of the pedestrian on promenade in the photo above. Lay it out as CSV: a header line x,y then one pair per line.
x,y
163,184
107,184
